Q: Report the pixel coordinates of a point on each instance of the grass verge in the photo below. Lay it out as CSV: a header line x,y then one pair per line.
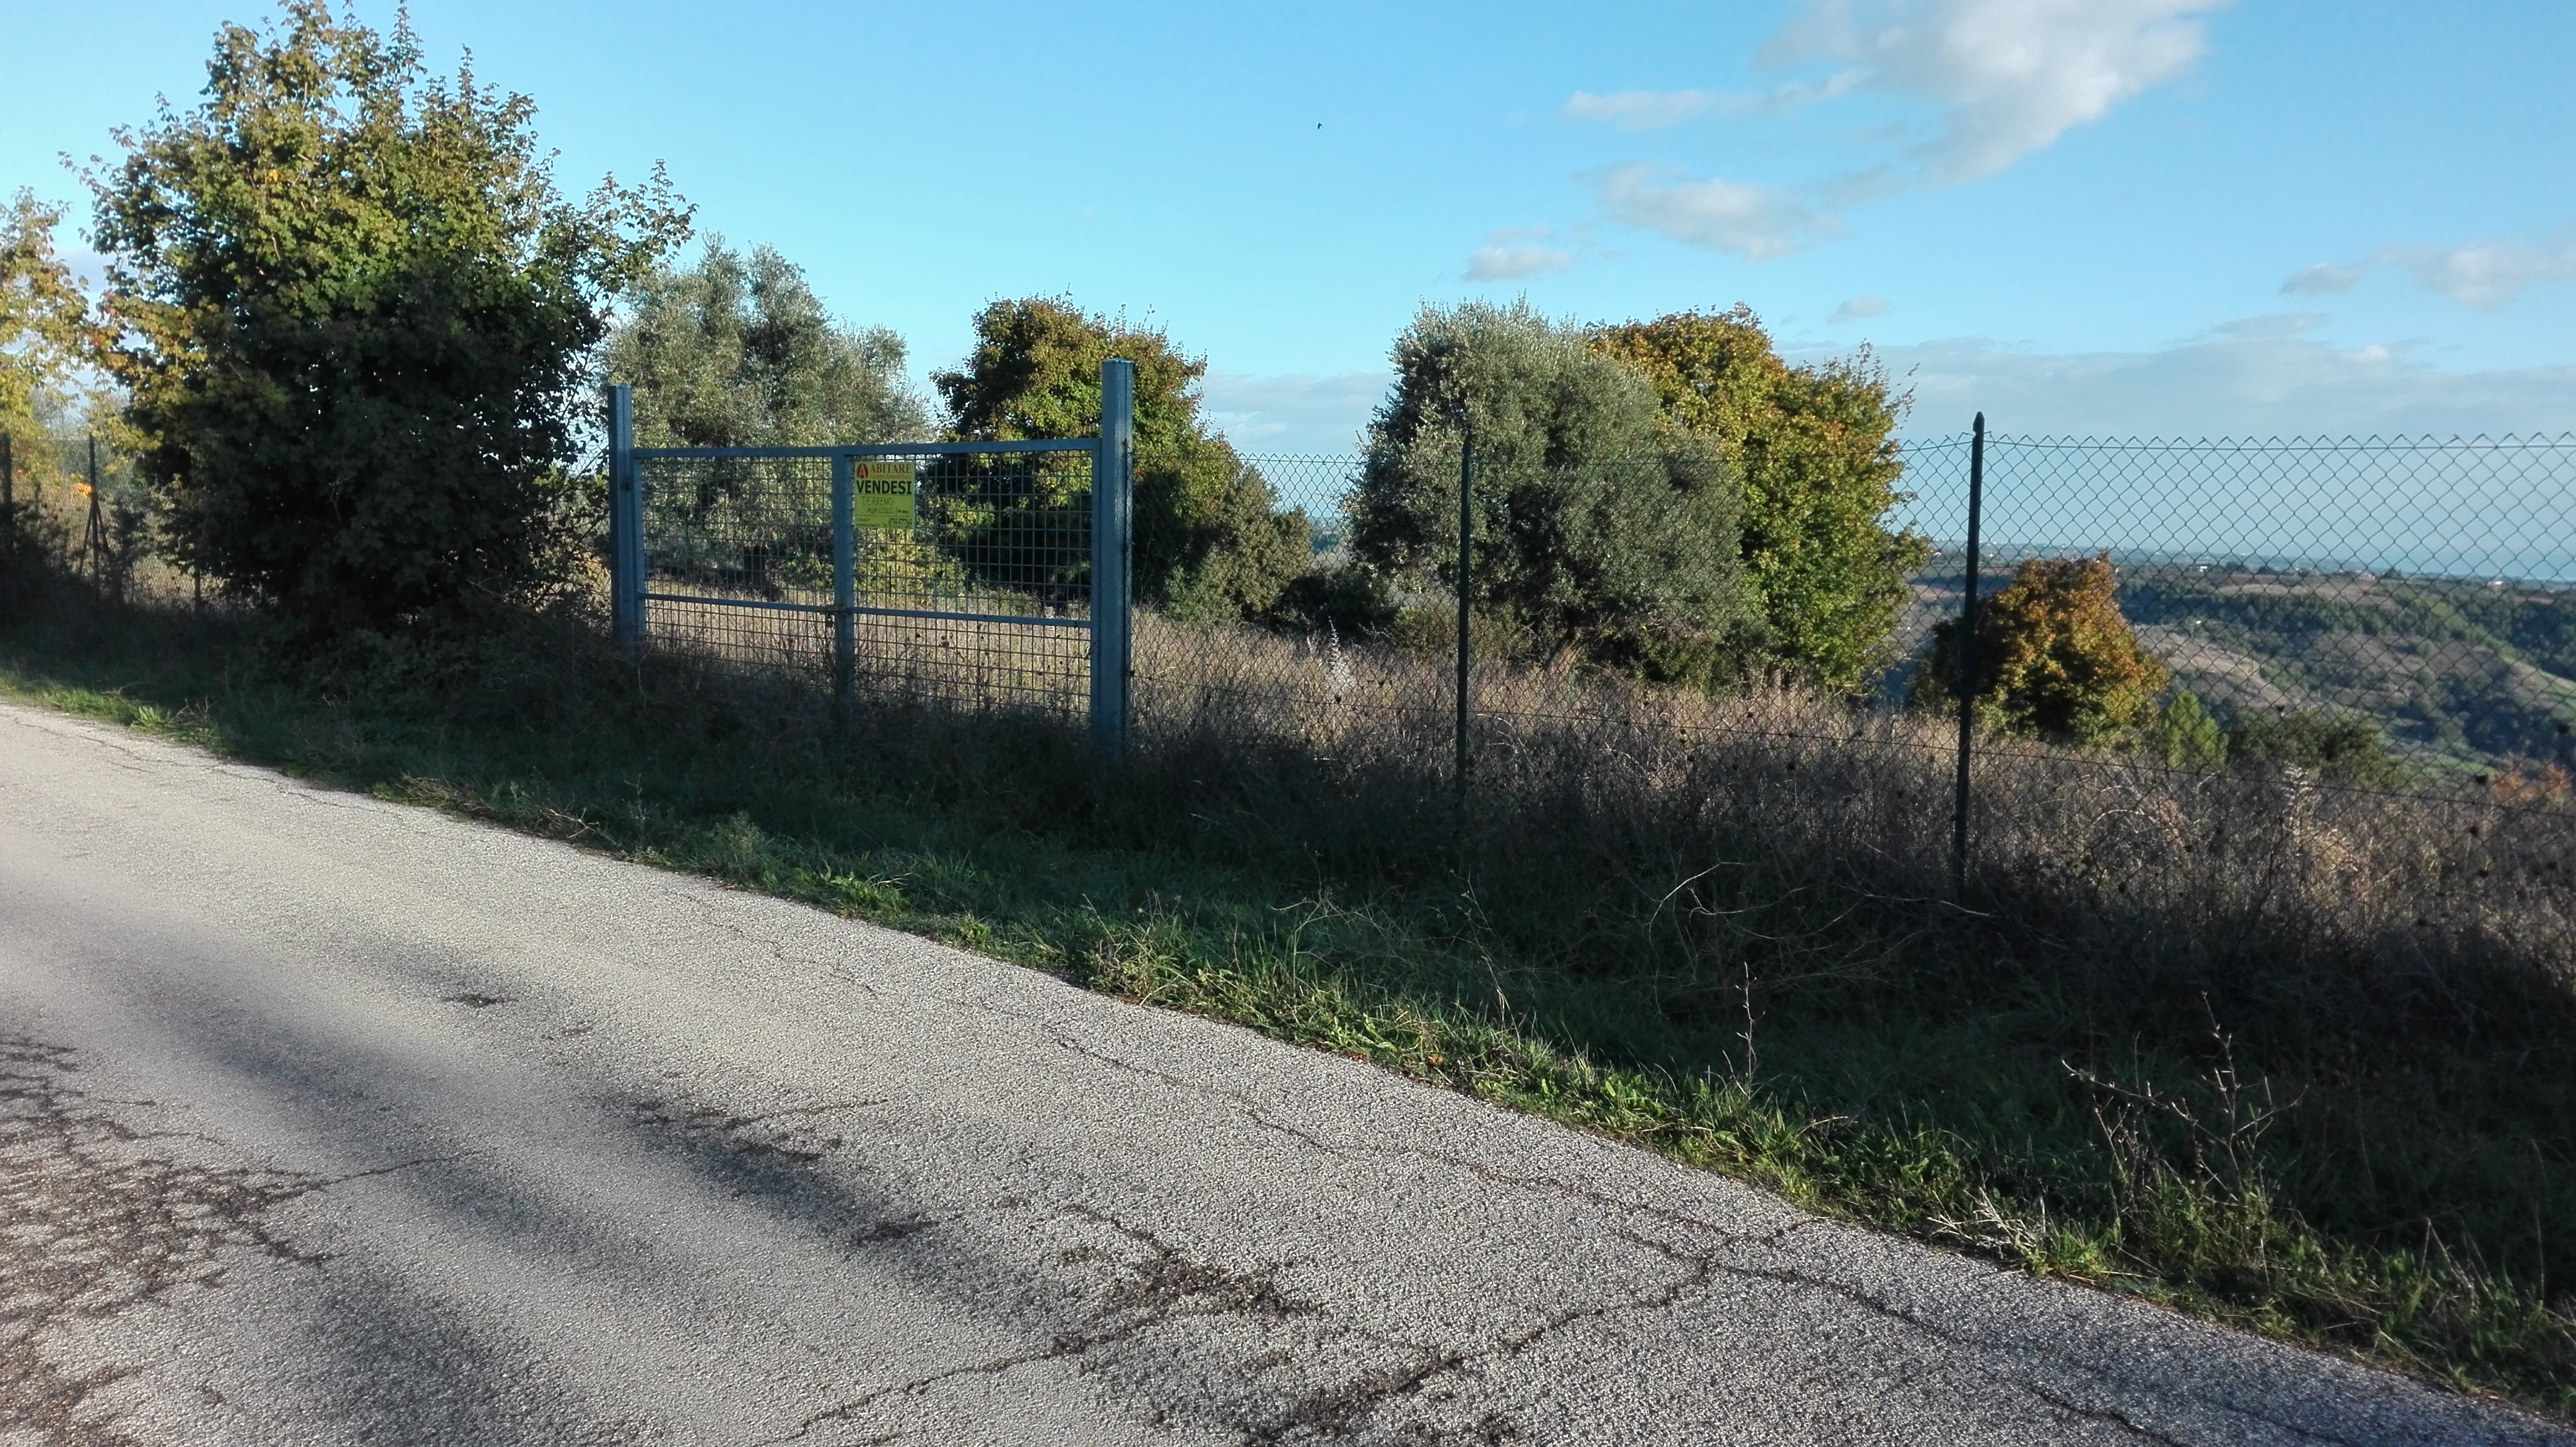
x,y
2380,1185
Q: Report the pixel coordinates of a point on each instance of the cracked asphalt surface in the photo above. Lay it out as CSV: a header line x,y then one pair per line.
x,y
324,1120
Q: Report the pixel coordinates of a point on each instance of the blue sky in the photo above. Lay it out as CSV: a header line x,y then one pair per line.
x,y
2130,217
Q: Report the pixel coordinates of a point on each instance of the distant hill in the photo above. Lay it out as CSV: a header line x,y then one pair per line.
x,y
2463,676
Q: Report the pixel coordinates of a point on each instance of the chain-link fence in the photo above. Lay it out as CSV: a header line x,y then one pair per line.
x,y
2387,613
2313,620
2425,589
2157,622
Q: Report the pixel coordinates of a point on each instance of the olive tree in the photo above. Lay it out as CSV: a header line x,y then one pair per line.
x,y
737,351
1596,528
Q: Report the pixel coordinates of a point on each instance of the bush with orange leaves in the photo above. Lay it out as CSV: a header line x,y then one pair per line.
x,y
2054,657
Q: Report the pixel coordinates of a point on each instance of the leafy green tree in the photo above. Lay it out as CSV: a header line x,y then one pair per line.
x,y
1597,529
356,321
44,323
2345,747
2185,736
43,337
1211,538
2054,657
1814,449
737,351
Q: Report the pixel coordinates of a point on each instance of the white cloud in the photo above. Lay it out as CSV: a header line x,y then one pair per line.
x,y
2481,274
2010,76
1859,307
2006,77
2317,280
1640,110
1514,252
2487,274
1757,222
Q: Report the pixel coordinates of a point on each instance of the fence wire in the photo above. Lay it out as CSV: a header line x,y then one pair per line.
x,y
2385,617
2349,617
2376,613
970,572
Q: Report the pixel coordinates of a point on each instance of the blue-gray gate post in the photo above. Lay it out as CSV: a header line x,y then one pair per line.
x,y
845,581
625,521
1113,471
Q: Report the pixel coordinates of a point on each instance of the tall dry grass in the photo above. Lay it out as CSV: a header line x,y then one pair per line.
x,y
2267,888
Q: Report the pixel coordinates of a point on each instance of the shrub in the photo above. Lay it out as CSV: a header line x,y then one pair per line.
x,y
2184,735
1814,448
1343,595
2345,748
1596,528
2054,657
356,321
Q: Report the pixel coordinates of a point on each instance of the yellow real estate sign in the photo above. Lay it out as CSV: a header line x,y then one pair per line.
x,y
882,494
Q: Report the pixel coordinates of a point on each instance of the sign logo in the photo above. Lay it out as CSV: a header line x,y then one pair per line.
x,y
881,495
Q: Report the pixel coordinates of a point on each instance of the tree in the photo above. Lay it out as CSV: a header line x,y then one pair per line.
x,y
1211,539
1596,528
2185,736
1815,452
43,337
2343,746
737,351
2054,657
356,321
44,323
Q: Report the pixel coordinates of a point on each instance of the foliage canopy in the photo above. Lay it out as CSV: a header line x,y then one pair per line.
x,y
2347,748
1814,450
2054,657
737,351
1210,537
1596,528
44,323
356,320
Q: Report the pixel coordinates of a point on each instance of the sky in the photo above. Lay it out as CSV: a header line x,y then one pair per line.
x,y
2178,218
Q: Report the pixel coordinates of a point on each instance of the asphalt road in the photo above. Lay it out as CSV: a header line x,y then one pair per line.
x,y
324,1120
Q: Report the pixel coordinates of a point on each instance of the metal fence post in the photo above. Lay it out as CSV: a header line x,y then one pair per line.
x,y
845,582
1466,589
94,538
625,521
1968,663
1113,470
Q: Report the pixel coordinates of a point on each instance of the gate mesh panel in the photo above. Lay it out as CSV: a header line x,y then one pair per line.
x,y
982,601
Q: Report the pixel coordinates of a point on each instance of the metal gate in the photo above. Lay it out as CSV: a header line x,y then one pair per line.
x,y
980,575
